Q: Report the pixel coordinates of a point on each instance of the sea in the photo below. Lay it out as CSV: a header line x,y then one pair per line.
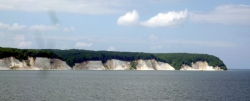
x,y
231,85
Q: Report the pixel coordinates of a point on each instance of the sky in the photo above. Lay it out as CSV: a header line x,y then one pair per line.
x,y
216,27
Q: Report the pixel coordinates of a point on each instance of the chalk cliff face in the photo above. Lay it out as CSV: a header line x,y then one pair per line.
x,y
163,66
50,64
145,65
40,63
153,65
34,64
199,65
89,65
6,63
115,64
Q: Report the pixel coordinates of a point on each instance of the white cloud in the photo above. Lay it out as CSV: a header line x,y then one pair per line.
x,y
129,18
19,38
4,26
16,26
226,14
25,44
82,44
72,6
37,27
68,29
153,37
156,47
111,48
44,27
168,19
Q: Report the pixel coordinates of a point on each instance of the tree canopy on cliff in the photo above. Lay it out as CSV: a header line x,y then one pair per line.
x,y
23,54
73,56
177,59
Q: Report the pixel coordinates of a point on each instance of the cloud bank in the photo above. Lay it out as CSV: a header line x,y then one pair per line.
x,y
225,14
21,42
15,26
82,44
37,27
44,27
4,26
70,6
168,19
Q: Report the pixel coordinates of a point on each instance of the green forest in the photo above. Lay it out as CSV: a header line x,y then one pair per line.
x,y
73,56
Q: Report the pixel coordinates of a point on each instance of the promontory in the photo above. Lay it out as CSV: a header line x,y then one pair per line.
x,y
75,59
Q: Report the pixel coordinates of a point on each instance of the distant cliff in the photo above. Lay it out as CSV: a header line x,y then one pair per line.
x,y
38,63
41,63
53,59
199,65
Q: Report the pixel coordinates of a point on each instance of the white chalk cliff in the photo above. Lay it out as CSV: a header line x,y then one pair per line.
x,y
115,64
6,63
49,64
41,63
89,65
153,65
200,65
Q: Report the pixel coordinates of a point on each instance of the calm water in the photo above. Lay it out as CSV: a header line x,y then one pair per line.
x,y
124,85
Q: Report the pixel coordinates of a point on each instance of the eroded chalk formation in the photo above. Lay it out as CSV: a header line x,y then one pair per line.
x,y
50,64
115,64
153,65
200,65
7,63
40,63
89,65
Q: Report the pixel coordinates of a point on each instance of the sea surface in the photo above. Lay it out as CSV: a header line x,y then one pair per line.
x,y
232,85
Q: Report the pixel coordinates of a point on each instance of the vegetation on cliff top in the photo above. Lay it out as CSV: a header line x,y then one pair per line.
x,y
76,56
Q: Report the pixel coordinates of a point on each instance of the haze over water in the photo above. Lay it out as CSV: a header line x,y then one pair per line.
x,y
124,85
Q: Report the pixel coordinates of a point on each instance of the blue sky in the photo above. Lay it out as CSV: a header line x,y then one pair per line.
x,y
220,28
